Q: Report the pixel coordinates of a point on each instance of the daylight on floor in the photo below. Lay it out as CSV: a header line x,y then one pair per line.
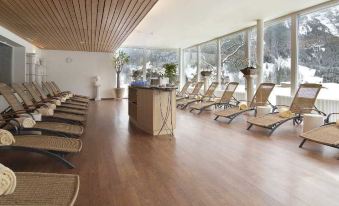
x,y
169,102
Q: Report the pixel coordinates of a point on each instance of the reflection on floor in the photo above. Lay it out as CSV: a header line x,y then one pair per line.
x,y
207,163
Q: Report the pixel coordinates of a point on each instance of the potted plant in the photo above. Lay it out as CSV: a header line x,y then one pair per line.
x,y
170,72
119,60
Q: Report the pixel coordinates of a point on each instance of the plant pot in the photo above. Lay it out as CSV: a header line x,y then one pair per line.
x,y
118,93
205,73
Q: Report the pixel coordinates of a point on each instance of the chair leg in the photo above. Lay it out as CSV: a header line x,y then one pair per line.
x,y
216,118
302,143
249,127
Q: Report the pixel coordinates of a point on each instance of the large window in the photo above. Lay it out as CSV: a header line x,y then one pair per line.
x,y
209,58
233,58
277,52
319,49
144,59
191,64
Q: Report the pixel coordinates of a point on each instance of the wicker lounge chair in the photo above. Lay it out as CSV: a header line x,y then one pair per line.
x,y
51,146
209,94
302,103
67,92
18,108
327,134
53,93
28,101
44,99
41,92
43,189
55,128
183,93
260,98
195,92
225,99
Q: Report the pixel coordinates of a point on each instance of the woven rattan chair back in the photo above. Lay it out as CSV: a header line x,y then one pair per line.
x,y
305,98
229,92
262,94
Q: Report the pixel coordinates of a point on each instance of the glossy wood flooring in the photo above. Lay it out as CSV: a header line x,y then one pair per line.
x,y
207,163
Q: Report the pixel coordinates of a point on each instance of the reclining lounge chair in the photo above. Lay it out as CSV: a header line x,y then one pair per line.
x,y
183,93
260,98
225,99
28,101
55,128
41,99
184,103
53,93
18,108
51,146
67,92
43,189
327,134
195,92
42,93
302,103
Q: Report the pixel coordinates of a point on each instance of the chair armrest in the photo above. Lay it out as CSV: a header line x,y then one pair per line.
x,y
327,120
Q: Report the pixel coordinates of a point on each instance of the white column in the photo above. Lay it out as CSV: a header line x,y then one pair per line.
x,y
260,50
250,86
219,61
294,53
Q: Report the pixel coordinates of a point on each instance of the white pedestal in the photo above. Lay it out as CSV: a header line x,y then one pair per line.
x,y
98,96
312,121
250,86
263,110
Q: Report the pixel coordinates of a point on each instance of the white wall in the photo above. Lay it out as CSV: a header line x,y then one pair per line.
x,y
77,76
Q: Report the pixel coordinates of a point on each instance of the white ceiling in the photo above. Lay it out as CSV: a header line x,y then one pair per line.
x,y
182,23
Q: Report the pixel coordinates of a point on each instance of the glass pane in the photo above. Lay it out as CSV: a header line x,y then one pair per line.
x,y
233,59
134,66
190,64
277,53
209,58
319,50
252,41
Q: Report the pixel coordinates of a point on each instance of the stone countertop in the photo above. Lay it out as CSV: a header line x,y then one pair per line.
x,y
155,87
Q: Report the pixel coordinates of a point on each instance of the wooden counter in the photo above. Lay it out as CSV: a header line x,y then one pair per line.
x,y
152,109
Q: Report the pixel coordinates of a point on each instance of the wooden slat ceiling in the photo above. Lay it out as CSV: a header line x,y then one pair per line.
x,y
78,25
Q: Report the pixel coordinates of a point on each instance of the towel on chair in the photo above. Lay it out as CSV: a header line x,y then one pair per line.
x,y
56,102
7,180
285,113
26,122
6,138
46,111
243,106
51,105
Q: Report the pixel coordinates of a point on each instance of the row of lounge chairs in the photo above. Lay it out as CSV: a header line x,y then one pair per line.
x,y
58,135
227,106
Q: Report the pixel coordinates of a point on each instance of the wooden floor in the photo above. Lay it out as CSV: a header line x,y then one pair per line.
x,y
207,163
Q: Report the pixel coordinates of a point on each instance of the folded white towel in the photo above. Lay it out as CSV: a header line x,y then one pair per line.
x,y
243,106
26,122
51,105
46,111
6,138
56,102
7,180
